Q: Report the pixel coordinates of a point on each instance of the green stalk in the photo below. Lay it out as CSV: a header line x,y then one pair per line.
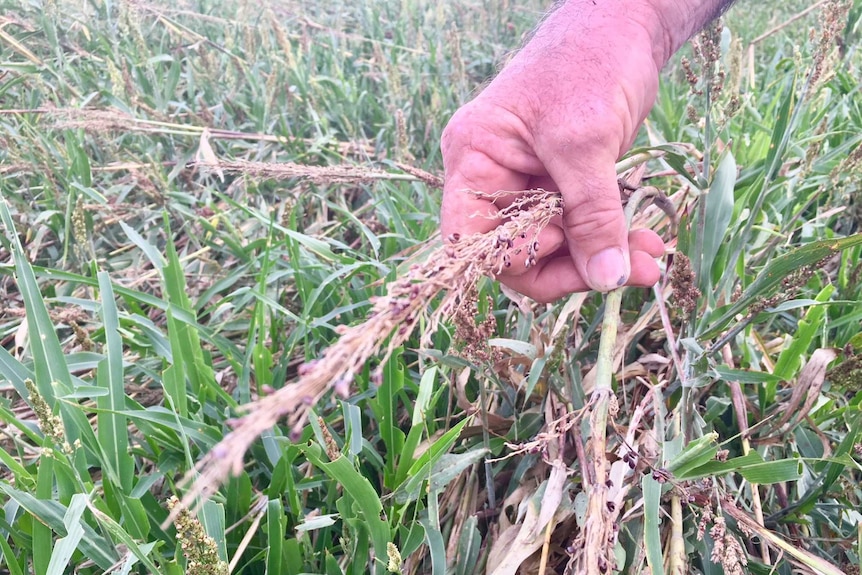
x,y
697,259
597,526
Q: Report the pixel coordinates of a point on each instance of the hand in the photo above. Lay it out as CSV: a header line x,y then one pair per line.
x,y
558,117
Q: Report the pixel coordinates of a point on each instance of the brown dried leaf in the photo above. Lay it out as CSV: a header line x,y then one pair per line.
x,y
517,543
807,388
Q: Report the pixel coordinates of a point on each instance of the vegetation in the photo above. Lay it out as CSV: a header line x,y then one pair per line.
x,y
233,343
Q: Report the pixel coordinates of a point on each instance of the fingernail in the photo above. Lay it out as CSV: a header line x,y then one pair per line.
x,y
607,269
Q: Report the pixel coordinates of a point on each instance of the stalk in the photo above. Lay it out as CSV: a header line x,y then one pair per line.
x,y
598,525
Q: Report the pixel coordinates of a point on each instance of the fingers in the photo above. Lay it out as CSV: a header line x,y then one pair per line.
x,y
558,276
479,156
546,244
593,220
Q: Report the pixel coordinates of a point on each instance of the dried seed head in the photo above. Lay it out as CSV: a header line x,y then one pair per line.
x,y
342,385
726,549
705,519
685,293
332,450
393,318
833,19
82,337
690,76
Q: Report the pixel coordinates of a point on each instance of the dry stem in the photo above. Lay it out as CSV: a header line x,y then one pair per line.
x,y
598,526
342,174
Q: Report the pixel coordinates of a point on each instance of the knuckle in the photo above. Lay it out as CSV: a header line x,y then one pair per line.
x,y
459,130
596,216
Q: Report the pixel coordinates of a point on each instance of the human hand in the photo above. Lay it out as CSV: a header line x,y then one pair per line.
x,y
558,117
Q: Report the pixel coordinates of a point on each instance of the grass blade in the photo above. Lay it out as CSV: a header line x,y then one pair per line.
x,y
50,514
65,546
8,559
362,492
770,277
652,535
275,527
436,547
112,432
48,362
719,209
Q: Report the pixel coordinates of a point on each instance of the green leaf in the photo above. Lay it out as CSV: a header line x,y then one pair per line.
x,y
50,514
469,545
8,559
744,375
173,377
450,465
185,339
112,429
385,406
317,522
141,552
352,429
48,358
790,359
423,397
14,372
781,131
420,407
134,516
693,455
652,534
719,209
212,519
365,498
205,435
436,547
770,472
65,546
751,466
152,252
275,528
770,277
52,374
420,470
536,371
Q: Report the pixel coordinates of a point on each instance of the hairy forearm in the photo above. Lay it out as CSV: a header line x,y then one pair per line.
x,y
667,23
681,19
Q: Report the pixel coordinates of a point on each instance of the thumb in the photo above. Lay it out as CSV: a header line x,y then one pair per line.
x,y
594,224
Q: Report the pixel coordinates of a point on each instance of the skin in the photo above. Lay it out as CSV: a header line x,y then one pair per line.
x,y
558,117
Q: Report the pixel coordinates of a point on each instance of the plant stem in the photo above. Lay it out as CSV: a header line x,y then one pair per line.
x,y
677,541
597,526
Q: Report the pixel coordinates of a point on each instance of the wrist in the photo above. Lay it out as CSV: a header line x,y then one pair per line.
x,y
679,20
667,24
656,27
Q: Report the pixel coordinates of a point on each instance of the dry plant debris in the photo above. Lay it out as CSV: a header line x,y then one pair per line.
x,y
342,174
450,270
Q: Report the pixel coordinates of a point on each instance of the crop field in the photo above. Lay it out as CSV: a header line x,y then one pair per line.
x,y
233,341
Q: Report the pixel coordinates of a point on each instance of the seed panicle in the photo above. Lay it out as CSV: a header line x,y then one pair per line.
x,y
451,270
